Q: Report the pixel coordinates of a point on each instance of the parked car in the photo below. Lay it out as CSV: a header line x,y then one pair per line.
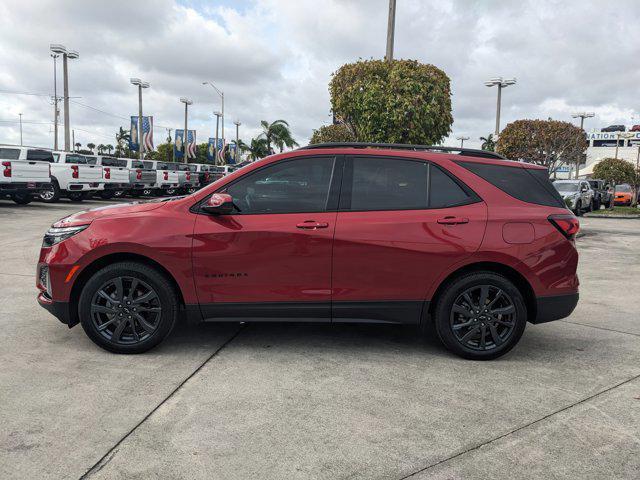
x,y
623,195
577,195
614,128
167,177
602,193
635,128
207,173
25,172
142,177
471,243
187,183
71,176
115,175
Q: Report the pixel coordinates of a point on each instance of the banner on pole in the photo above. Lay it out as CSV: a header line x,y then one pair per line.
x,y
191,144
147,134
178,144
211,149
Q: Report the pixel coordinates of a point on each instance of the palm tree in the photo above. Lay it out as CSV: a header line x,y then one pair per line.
x,y
277,133
78,145
488,143
91,146
258,148
108,147
100,149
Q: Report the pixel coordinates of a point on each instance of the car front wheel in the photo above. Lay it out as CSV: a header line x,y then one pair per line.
x,y
21,198
480,316
128,307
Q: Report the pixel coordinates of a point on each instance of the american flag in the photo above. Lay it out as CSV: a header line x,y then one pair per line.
x,y
221,152
147,133
191,145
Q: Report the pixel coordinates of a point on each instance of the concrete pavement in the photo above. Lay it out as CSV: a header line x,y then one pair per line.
x,y
303,401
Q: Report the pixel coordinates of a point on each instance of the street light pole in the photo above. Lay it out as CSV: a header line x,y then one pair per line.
x,y
462,138
217,114
221,93
237,124
20,129
140,84
66,54
55,102
391,30
500,83
185,136
581,116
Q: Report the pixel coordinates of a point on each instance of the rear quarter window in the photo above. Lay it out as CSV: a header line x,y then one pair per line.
x,y
9,153
526,184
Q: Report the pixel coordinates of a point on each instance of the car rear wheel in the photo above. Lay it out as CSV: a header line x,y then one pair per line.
x,y
107,194
21,198
480,316
578,210
50,194
76,196
128,307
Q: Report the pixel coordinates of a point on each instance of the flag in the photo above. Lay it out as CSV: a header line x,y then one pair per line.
x,y
191,144
232,153
211,149
147,134
221,151
177,145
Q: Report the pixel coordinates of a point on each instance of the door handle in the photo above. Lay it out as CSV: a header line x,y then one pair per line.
x,y
452,220
312,225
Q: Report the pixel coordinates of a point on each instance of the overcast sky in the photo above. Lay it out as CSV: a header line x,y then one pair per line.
x,y
274,59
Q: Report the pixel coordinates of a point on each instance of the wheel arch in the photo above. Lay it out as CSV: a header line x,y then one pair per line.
x,y
99,263
509,272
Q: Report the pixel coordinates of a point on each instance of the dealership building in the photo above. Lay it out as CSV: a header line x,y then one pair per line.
x,y
603,145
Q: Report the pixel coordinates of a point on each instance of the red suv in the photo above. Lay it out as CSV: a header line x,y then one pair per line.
x,y
460,239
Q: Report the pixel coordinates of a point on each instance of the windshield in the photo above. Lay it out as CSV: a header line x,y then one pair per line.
x,y
623,188
566,187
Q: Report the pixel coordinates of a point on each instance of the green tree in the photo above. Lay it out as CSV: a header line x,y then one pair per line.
x,y
338,132
549,143
277,134
165,152
488,143
91,146
257,149
78,145
101,149
616,171
402,101
108,147
122,138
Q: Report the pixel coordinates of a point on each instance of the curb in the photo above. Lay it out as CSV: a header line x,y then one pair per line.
x,y
604,215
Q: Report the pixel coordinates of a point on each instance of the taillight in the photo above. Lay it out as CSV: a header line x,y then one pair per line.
x,y
188,176
138,174
7,169
166,175
567,224
75,173
107,173
206,176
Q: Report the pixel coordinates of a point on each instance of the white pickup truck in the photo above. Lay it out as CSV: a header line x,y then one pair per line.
x,y
142,177
73,177
115,175
25,172
167,180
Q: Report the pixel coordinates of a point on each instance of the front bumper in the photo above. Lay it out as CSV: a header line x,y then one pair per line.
x,y
60,310
554,307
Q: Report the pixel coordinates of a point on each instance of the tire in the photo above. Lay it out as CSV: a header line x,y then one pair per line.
x,y
590,207
136,336
107,194
147,192
76,196
596,204
578,210
51,194
501,331
22,198
170,192
119,193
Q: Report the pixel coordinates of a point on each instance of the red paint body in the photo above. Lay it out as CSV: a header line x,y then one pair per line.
x,y
345,256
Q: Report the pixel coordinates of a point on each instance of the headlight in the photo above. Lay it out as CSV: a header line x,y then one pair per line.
x,y
57,235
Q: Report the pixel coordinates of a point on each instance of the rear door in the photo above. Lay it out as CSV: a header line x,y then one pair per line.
x,y
401,223
272,257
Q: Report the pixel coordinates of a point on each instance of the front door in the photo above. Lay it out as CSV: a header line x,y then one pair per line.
x,y
271,258
401,223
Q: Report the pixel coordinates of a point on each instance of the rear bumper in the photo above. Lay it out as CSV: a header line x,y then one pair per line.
x,y
116,186
83,187
23,187
556,307
141,186
60,310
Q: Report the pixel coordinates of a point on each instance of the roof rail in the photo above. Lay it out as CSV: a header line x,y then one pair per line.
x,y
470,152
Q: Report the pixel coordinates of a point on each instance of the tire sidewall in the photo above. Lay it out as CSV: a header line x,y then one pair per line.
x,y
153,278
56,193
451,293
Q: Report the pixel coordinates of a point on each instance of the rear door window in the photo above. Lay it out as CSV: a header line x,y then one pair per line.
x,y
76,159
40,155
526,184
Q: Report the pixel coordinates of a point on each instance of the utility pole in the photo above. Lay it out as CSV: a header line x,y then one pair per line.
x,y
500,83
391,28
66,54
20,129
185,137
55,102
73,140
462,138
581,116
217,114
237,124
221,94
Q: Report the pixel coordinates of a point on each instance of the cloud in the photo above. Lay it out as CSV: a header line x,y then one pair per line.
x,y
274,59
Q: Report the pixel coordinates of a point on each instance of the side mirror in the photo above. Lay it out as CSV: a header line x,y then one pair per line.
x,y
219,204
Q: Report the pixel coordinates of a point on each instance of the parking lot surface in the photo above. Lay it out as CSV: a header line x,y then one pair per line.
x,y
274,401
